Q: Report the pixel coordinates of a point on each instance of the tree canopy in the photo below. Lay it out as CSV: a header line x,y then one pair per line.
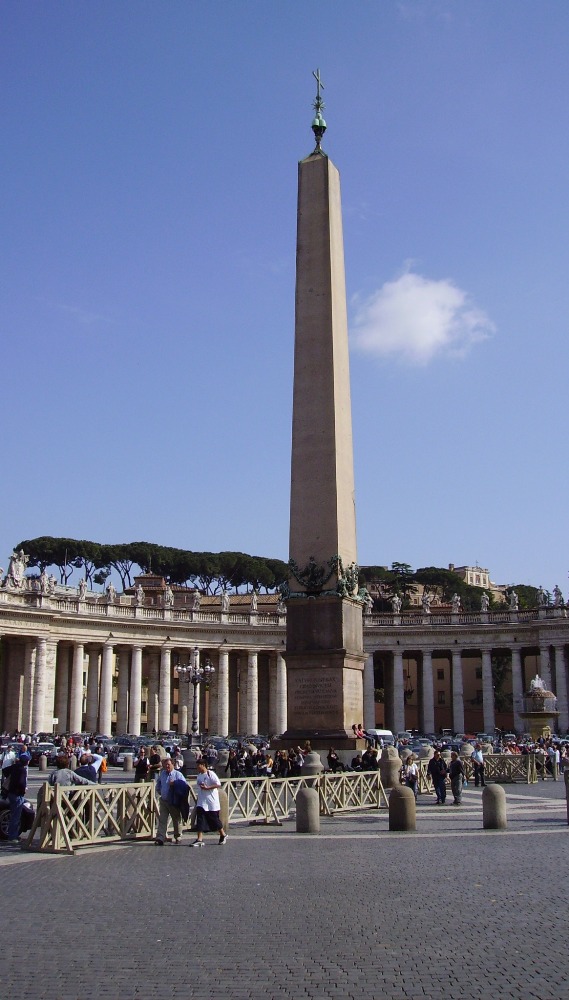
x,y
209,572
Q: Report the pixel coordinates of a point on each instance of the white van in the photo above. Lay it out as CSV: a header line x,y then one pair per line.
x,y
382,734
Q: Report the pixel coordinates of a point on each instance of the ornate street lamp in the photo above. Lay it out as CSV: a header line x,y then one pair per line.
x,y
194,673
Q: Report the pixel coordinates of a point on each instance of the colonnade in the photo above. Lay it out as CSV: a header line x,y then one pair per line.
x,y
550,659
62,686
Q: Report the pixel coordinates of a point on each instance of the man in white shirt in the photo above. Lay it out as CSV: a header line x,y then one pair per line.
x,y
478,764
208,805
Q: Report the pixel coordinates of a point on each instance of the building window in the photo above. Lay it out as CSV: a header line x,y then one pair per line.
x,y
479,697
143,708
441,699
441,674
478,673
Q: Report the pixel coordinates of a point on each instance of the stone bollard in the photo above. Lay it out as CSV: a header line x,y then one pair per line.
x,y
494,808
566,776
389,767
307,811
402,809
223,808
312,765
190,765
127,762
43,762
73,762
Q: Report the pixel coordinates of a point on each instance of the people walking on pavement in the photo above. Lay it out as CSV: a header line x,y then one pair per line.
x,y
478,765
172,791
208,806
438,771
411,774
16,776
456,771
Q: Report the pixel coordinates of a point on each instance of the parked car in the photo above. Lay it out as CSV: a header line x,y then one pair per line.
x,y
48,749
28,815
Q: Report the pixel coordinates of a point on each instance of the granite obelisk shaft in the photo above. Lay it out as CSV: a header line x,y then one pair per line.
x,y
324,651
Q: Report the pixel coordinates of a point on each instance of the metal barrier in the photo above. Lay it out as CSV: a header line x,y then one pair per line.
x,y
74,816
79,815
498,767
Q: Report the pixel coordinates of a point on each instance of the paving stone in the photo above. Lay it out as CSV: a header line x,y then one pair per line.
x,y
277,916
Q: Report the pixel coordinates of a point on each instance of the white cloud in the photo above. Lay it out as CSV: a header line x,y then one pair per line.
x,y
418,319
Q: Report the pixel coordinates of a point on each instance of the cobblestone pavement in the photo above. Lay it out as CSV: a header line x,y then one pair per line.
x,y
450,912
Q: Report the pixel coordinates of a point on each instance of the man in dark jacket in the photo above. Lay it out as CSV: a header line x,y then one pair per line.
x,y
438,770
17,775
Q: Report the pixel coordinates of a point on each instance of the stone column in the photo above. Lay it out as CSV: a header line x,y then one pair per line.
x,y
223,692
399,694
92,712
76,701
40,683
428,713
517,690
242,719
210,702
252,693
28,693
561,688
50,667
62,690
165,693
457,692
106,691
135,691
122,691
545,666
281,695
153,683
272,693
183,706
488,693
369,694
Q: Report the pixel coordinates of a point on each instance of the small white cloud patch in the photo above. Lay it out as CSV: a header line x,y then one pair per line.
x,y
418,318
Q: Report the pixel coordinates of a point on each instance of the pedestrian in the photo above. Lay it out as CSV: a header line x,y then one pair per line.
x,y
208,805
65,776
172,790
142,766
456,771
438,771
478,765
16,776
88,768
411,774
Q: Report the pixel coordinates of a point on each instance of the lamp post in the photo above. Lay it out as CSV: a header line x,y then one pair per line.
x,y
195,674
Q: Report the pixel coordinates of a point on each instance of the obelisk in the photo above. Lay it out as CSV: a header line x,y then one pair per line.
x,y
324,647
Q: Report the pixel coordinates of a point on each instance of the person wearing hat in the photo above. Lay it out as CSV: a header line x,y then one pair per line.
x,y
17,778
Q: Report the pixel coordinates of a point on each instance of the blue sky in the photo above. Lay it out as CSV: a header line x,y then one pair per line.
x,y
147,300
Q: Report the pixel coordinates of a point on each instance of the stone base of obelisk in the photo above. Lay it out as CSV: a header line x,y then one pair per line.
x,y
325,661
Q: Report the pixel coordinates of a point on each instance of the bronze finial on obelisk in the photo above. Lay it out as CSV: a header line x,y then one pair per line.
x,y
324,648
318,123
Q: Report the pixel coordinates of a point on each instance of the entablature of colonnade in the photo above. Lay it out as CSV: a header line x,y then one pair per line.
x,y
240,631
526,632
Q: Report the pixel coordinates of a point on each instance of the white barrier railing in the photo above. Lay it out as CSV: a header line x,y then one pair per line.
x,y
74,816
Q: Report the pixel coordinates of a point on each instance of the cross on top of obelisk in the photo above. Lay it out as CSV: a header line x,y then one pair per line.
x,y
318,124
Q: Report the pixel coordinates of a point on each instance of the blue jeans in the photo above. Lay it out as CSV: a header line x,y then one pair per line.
x,y
441,789
16,806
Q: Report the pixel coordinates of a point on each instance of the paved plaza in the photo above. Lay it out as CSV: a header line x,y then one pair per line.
x,y
452,911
